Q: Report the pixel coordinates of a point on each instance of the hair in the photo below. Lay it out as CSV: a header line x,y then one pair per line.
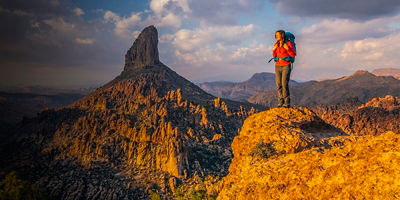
x,y
282,32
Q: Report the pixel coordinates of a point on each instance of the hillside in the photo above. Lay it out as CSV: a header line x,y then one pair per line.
x,y
290,154
395,72
259,82
149,129
14,106
375,116
361,85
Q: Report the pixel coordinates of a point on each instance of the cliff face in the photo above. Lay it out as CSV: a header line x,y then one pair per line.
x,y
291,154
144,51
149,128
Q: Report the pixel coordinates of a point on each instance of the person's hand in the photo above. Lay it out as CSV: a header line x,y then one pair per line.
x,y
286,46
275,46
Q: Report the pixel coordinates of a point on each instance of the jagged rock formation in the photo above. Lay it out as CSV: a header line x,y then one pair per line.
x,y
387,72
376,116
301,165
149,128
387,103
259,82
362,85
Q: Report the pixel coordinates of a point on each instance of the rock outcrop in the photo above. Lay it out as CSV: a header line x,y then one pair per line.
x,y
145,129
291,154
144,51
374,117
388,103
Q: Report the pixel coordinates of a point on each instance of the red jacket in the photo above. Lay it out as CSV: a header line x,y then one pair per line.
x,y
281,52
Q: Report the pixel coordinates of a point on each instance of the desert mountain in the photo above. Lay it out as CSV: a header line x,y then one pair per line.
x,y
387,72
147,129
361,85
259,82
292,154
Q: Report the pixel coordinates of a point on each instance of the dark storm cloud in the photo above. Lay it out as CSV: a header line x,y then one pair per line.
x,y
48,34
350,9
42,7
22,22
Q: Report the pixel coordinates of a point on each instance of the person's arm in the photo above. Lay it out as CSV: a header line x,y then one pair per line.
x,y
274,51
289,50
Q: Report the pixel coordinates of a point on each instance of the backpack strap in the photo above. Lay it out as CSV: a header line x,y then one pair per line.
x,y
287,59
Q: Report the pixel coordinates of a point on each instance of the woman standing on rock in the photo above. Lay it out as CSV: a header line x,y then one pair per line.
x,y
283,54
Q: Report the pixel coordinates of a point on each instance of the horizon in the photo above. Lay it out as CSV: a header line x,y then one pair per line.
x,y
78,44
91,87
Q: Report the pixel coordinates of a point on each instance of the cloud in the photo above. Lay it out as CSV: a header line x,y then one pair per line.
x,y
340,30
373,52
78,11
38,7
84,41
222,12
169,13
59,24
49,35
224,51
172,13
188,40
355,9
124,26
341,46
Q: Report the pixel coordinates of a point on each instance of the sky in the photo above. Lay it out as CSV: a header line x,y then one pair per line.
x,y
82,43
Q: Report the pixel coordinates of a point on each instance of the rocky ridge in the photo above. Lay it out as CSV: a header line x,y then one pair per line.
x,y
376,116
148,129
279,155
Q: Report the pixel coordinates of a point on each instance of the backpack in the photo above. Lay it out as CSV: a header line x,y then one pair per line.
x,y
289,37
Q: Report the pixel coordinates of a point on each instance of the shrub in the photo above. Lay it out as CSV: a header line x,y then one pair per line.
x,y
198,194
13,188
195,194
154,195
263,150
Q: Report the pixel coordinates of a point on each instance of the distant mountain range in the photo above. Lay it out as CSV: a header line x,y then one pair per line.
x,y
14,106
259,82
17,102
395,72
42,90
361,85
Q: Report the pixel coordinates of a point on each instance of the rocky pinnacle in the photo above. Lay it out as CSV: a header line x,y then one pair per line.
x,y
144,51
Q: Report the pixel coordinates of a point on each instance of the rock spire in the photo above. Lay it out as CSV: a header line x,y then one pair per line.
x,y
144,51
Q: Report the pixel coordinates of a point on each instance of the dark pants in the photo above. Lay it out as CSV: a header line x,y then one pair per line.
x,y
282,77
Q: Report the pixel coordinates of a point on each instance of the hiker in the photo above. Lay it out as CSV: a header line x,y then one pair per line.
x,y
283,54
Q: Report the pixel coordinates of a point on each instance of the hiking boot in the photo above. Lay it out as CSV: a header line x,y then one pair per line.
x,y
286,106
279,105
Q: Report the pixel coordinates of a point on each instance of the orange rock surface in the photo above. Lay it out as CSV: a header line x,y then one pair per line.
x,y
345,167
